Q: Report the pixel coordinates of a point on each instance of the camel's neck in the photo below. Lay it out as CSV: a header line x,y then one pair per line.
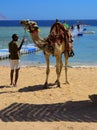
x,y
40,42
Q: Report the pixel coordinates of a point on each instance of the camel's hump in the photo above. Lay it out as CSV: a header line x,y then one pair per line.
x,y
57,28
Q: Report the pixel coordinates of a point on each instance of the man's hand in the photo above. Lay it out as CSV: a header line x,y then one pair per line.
x,y
23,40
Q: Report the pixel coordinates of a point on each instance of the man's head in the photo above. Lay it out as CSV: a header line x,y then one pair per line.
x,y
14,37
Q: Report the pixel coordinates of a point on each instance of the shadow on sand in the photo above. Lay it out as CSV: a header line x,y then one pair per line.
x,y
74,111
35,88
5,86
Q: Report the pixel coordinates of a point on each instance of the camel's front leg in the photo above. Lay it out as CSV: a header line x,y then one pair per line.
x,y
47,70
59,65
66,64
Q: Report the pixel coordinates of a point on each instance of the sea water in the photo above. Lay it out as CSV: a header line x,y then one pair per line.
x,y
85,47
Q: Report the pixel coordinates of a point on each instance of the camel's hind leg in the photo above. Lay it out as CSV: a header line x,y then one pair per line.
x,y
66,65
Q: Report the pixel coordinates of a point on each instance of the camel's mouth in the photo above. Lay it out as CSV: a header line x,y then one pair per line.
x,y
30,26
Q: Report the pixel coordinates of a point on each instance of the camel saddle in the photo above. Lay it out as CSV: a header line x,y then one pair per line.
x,y
58,34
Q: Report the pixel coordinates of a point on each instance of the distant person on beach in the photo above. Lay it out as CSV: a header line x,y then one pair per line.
x,y
14,57
72,27
66,25
78,25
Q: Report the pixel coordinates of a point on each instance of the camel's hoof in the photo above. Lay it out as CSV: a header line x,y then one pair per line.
x,y
45,86
56,81
66,82
58,86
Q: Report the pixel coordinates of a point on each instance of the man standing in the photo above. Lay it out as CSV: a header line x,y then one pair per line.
x,y
14,56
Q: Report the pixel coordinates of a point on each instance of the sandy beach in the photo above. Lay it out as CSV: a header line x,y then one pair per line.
x,y
30,107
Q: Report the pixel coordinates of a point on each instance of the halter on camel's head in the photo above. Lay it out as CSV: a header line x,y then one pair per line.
x,y
30,26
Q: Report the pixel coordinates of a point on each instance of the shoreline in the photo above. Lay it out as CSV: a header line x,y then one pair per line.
x,y
53,66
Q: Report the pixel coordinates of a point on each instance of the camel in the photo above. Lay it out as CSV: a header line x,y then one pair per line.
x,y
55,44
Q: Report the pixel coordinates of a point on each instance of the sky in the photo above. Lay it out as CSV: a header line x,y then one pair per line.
x,y
48,9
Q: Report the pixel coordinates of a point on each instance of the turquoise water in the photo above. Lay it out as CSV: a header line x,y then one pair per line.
x,y
85,47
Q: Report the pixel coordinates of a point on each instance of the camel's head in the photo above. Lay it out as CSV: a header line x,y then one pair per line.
x,y
31,26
